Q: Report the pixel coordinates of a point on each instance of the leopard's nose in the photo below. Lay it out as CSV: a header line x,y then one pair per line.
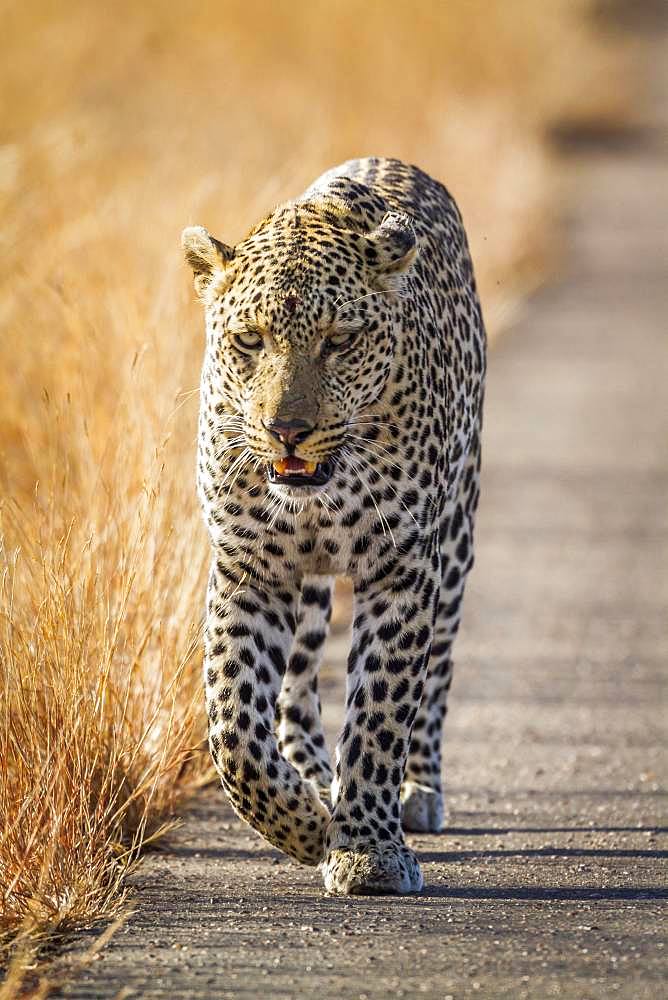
x,y
289,432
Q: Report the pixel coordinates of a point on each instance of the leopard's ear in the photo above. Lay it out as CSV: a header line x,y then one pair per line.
x,y
392,249
205,255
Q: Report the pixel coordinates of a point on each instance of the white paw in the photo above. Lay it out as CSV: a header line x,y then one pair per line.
x,y
371,871
422,810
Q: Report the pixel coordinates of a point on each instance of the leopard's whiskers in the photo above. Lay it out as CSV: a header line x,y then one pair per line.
x,y
389,486
383,520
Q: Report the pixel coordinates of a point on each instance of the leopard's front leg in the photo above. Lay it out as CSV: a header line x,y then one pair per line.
x,y
249,634
301,738
365,848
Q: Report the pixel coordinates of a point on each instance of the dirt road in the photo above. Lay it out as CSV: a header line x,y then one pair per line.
x,y
550,879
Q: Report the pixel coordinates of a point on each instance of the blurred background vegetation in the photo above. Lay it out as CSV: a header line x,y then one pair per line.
x,y
123,123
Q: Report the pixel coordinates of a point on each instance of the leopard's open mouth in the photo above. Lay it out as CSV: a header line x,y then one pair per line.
x,y
293,471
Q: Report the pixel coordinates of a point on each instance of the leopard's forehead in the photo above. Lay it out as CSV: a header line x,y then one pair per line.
x,y
298,272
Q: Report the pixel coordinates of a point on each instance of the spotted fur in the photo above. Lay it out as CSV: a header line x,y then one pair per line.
x,y
350,314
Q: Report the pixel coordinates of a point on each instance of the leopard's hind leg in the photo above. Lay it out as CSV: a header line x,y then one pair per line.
x,y
423,808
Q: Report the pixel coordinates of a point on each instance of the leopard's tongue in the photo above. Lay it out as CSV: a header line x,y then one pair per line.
x,y
293,466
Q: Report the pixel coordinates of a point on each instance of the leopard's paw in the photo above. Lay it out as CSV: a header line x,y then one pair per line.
x,y
378,869
422,808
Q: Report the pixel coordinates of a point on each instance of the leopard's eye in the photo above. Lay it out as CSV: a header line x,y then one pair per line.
x,y
248,340
342,339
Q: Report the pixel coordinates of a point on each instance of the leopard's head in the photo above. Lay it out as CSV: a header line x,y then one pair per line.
x,y
302,319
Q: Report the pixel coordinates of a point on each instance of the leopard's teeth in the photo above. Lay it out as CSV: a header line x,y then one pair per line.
x,y
282,469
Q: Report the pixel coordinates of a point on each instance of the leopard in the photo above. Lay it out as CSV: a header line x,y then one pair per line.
x,y
339,433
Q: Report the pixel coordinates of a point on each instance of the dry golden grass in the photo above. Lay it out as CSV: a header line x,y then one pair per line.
x,y
123,123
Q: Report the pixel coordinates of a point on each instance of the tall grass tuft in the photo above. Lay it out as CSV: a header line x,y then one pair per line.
x,y
100,727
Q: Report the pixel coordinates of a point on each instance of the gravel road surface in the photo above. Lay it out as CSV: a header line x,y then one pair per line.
x,y
550,879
